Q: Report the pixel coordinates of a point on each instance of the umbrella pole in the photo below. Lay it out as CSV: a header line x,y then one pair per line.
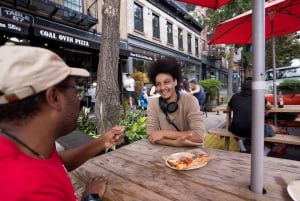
x,y
274,66
258,102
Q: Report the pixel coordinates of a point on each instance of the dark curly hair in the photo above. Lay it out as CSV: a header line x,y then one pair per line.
x,y
168,66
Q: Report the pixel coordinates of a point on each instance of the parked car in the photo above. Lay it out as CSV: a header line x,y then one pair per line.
x,y
282,73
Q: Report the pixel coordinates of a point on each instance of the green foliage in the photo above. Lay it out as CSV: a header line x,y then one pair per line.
x,y
226,12
212,86
85,125
135,123
286,49
289,85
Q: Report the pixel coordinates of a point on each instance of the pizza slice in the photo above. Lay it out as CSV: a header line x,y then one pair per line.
x,y
181,163
184,162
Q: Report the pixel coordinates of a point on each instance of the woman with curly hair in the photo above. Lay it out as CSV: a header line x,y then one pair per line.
x,y
174,118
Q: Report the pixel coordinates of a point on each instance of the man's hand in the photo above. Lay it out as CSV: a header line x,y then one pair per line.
x,y
96,185
113,137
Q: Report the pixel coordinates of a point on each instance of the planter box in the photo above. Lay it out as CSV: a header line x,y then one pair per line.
x,y
288,99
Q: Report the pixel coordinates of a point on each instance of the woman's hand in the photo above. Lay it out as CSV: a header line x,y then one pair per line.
x,y
155,136
185,140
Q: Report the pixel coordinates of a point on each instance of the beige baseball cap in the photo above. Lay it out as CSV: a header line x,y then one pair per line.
x,y
25,71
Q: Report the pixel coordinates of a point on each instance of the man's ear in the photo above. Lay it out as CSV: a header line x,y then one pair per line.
x,y
54,98
175,80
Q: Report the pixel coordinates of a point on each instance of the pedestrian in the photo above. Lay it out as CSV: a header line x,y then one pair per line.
x,y
38,104
174,118
235,82
185,86
152,91
92,95
129,85
143,99
198,91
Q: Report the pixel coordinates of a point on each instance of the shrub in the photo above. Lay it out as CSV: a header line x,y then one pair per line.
x,y
212,86
135,123
85,125
289,85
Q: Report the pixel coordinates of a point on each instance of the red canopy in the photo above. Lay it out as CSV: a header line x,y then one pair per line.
x,y
285,14
213,4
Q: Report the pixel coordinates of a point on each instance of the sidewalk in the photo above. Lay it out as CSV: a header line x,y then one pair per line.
x,y
214,120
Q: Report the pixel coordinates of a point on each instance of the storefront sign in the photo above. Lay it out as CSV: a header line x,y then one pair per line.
x,y
141,56
54,31
14,21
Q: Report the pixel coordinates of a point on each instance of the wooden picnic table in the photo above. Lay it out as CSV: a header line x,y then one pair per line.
x,y
137,172
223,108
285,109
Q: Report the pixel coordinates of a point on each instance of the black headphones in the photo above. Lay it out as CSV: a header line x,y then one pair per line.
x,y
168,107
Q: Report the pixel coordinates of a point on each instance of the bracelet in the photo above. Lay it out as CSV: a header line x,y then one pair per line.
x,y
93,197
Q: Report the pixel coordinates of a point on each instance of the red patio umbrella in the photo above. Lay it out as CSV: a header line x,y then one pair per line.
x,y
281,17
284,14
213,4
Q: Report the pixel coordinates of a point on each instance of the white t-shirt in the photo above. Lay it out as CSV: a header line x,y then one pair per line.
x,y
129,84
92,93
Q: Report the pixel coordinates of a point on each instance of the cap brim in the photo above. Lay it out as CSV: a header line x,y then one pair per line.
x,y
80,72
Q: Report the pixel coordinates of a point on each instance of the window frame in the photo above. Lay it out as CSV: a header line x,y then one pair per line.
x,y
138,18
180,38
169,33
197,46
155,26
189,42
76,5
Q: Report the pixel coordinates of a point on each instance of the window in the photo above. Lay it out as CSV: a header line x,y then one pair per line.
x,y
74,4
170,32
155,26
180,41
196,46
138,18
189,41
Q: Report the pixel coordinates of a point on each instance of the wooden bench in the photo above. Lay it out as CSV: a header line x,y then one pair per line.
x,y
278,138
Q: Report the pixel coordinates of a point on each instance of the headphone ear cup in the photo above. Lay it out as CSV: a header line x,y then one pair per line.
x,y
172,107
163,105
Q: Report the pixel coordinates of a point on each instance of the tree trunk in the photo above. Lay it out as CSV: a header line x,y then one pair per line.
x,y
107,106
229,89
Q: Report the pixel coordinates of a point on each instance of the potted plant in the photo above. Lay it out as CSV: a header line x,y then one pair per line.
x,y
290,88
212,88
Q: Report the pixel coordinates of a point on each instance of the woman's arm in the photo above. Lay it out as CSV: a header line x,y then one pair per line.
x,y
175,138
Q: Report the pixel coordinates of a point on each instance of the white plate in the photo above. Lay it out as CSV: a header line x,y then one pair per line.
x,y
294,190
191,154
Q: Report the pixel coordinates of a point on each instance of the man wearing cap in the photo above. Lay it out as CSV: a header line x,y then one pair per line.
x,y
38,104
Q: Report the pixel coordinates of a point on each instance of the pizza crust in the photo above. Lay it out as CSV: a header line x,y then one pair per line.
x,y
188,162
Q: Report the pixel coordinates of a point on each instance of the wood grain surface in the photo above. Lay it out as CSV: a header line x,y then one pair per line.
x,y
137,172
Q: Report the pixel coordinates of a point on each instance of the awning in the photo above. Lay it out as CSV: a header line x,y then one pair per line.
x,y
63,33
